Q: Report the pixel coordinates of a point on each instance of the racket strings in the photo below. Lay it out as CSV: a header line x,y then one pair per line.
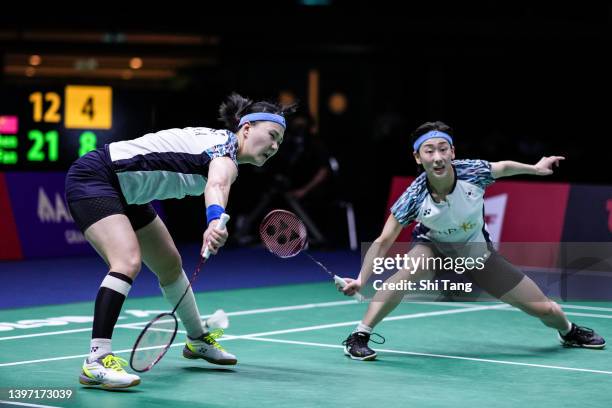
x,y
283,233
153,342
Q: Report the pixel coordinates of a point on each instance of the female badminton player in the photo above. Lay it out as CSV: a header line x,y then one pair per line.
x,y
109,191
447,202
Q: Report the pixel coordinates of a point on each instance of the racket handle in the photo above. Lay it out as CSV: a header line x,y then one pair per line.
x,y
222,221
358,296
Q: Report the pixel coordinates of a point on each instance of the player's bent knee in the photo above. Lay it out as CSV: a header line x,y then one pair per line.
x,y
169,270
174,265
555,309
171,274
128,266
543,310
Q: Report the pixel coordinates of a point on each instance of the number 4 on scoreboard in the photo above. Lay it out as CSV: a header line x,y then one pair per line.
x,y
88,107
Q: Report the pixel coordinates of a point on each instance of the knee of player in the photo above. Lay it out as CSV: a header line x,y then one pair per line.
x,y
554,308
172,266
174,270
129,266
545,309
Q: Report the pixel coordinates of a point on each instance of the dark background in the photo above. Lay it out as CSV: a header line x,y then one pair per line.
x,y
515,81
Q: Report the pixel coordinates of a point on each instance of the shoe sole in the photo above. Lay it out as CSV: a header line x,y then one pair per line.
x,y
193,356
93,383
574,345
368,358
587,346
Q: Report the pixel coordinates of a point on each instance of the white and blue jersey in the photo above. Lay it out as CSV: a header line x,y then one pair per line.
x,y
170,163
458,219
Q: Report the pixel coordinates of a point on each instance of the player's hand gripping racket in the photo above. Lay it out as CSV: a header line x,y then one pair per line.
x,y
157,336
285,235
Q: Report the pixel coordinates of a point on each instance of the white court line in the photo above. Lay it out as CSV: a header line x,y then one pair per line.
x,y
299,329
341,324
387,319
295,307
259,337
599,316
589,315
471,304
24,404
514,309
503,307
237,313
602,309
310,306
484,360
54,333
139,325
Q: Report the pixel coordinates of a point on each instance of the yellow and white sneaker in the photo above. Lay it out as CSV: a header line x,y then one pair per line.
x,y
107,371
207,348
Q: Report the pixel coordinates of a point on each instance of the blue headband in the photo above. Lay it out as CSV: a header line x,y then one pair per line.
x,y
271,117
430,135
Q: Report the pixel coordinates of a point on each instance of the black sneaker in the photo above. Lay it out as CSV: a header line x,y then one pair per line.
x,y
356,346
582,337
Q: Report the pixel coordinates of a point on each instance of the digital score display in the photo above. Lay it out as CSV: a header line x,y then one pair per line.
x,y
49,128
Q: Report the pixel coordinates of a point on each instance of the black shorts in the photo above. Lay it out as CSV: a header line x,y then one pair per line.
x,y
88,211
497,277
93,193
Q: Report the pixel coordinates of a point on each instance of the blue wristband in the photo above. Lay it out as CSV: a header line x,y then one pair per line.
x,y
213,212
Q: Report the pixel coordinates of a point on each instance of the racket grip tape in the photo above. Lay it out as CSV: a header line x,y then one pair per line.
x,y
222,221
342,283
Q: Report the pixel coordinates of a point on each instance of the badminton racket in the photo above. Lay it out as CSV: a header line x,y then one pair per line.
x,y
158,335
285,235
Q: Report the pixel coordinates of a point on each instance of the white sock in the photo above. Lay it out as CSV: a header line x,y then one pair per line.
x,y
188,310
363,328
98,348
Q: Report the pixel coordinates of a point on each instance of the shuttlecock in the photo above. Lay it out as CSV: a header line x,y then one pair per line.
x,y
218,320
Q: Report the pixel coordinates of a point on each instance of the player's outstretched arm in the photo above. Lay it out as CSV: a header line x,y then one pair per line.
x,y
509,168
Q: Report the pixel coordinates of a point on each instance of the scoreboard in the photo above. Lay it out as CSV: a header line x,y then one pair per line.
x,y
43,130
48,128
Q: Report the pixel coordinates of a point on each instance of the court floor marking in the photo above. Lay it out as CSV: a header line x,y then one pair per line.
x,y
259,337
387,319
24,404
484,360
53,333
602,309
341,324
294,330
317,305
563,306
599,316
237,313
140,326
